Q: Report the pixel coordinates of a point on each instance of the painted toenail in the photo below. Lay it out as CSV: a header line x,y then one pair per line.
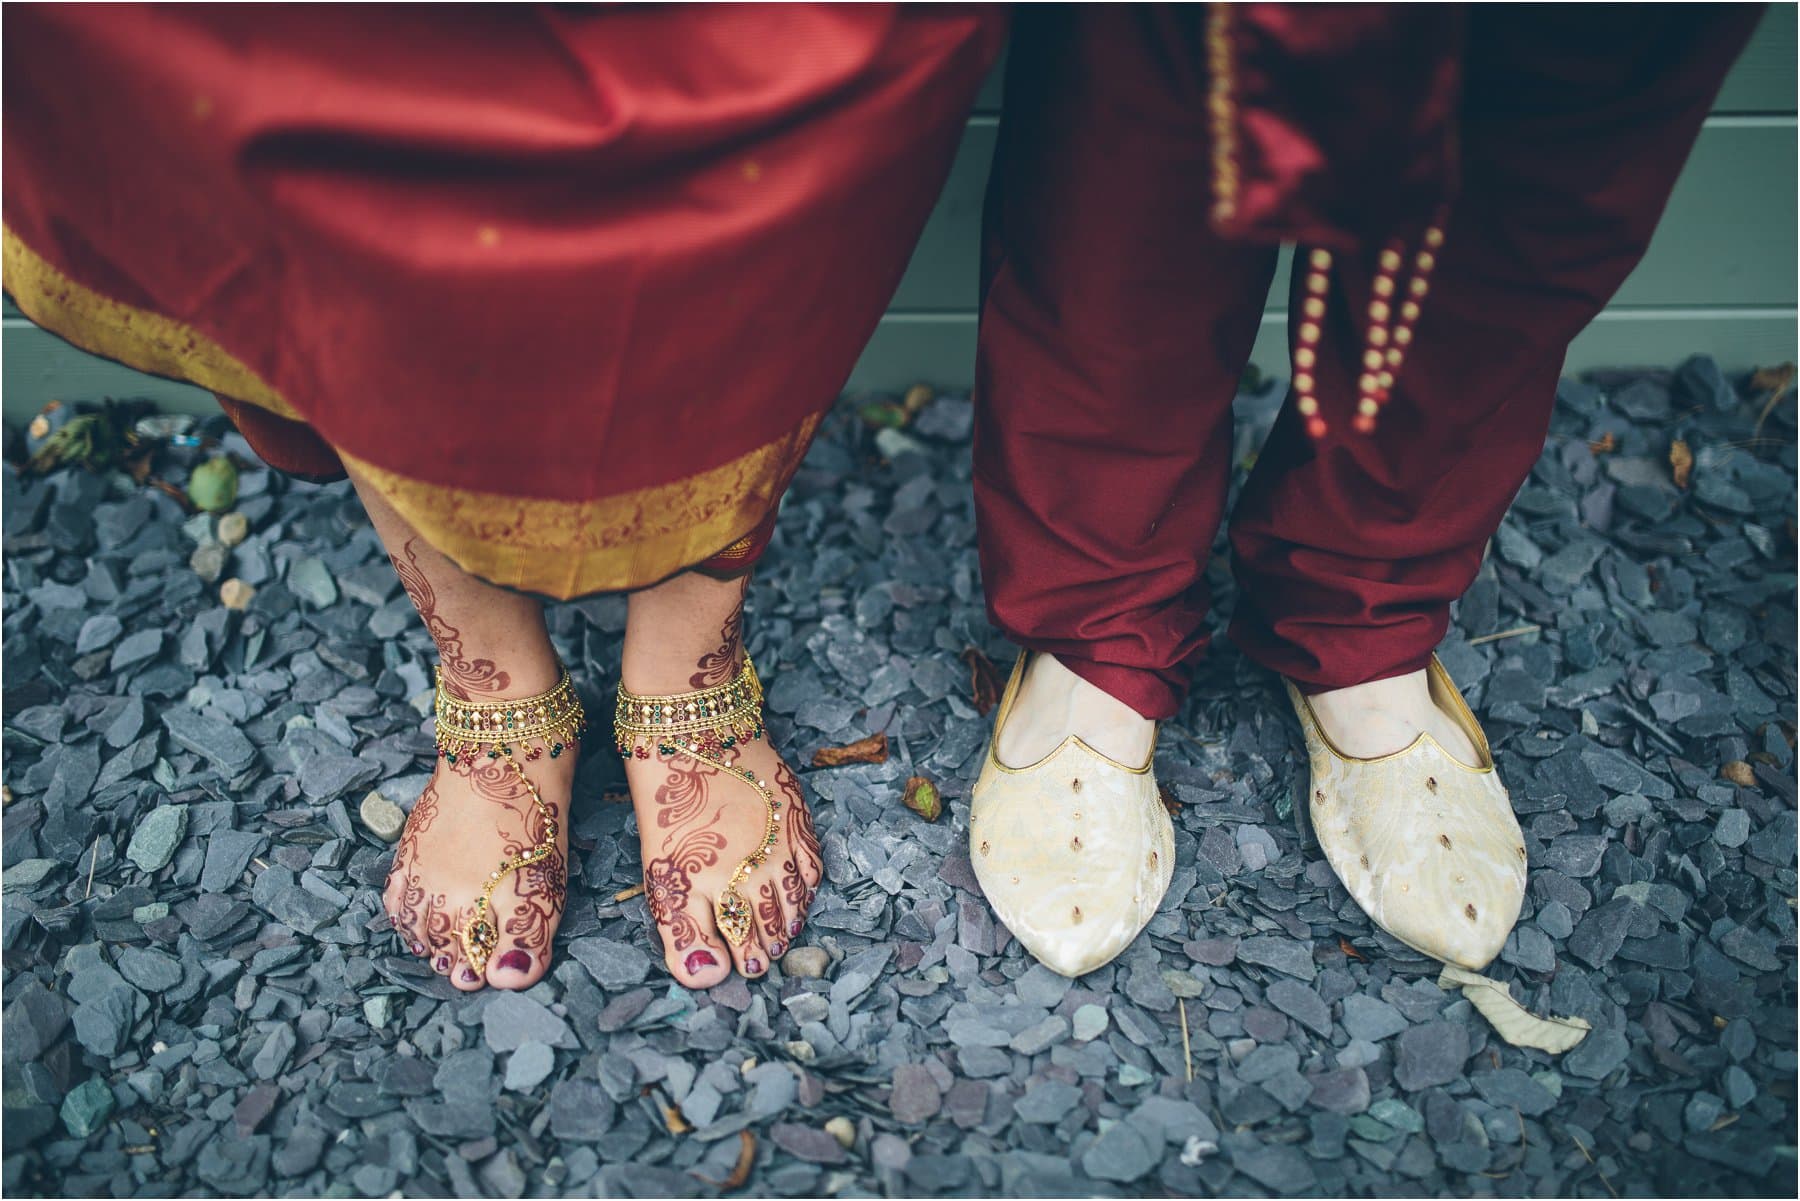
x,y
441,963
776,948
753,966
697,960
417,948
794,928
469,976
516,960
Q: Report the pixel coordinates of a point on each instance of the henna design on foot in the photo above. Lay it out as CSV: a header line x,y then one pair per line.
x,y
462,676
454,848
697,820
668,883
719,665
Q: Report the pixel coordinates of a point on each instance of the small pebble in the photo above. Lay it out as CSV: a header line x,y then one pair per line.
x,y
806,962
235,594
384,819
233,528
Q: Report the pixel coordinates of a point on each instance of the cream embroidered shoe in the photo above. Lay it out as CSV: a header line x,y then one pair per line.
x,y
1431,850
1427,845
1074,851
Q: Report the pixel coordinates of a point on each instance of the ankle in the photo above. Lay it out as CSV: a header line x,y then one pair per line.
x,y
684,634
520,676
658,671
1054,703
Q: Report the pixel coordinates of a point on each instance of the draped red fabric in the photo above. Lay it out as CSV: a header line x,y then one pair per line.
x,y
1345,118
554,253
1115,324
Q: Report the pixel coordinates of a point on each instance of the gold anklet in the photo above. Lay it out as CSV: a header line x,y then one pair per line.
x,y
550,722
704,726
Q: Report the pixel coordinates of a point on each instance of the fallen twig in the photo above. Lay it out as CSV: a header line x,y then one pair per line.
x,y
1778,380
1187,1049
1515,632
1585,1155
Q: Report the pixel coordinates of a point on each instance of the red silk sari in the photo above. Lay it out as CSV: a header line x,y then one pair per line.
x,y
570,287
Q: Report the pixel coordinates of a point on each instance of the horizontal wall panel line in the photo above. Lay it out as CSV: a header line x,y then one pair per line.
x,y
1646,312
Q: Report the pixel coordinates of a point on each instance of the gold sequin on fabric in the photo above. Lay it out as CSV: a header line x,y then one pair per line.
x,y
1222,109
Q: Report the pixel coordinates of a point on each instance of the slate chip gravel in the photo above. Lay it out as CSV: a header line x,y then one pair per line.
x,y
223,1011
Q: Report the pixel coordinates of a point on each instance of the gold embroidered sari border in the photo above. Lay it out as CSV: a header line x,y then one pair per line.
x,y
139,338
556,548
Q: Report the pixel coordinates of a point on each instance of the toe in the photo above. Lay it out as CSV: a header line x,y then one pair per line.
x,y
772,917
692,949
533,902
461,974
791,922
408,925
464,977
515,967
752,955
439,948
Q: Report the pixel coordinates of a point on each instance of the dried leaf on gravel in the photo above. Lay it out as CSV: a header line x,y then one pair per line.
x,y
1681,462
922,798
873,749
740,1172
984,681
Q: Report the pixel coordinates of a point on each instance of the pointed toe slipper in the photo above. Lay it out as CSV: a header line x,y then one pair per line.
x,y
1430,848
1427,845
1074,852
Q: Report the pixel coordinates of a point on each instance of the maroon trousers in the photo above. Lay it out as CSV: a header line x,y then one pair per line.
x,y
1115,325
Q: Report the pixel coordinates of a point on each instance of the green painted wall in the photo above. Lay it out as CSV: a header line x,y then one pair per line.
x,y
1719,278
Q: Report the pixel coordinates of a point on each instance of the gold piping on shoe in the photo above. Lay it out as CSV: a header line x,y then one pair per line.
x,y
1006,704
1442,689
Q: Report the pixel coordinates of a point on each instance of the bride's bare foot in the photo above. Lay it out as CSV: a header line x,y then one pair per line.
x,y
699,793
472,817
480,812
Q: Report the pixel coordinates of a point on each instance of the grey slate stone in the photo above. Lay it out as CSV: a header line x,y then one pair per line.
x,y
228,853
1120,1154
1371,1018
1430,1054
512,1019
157,836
